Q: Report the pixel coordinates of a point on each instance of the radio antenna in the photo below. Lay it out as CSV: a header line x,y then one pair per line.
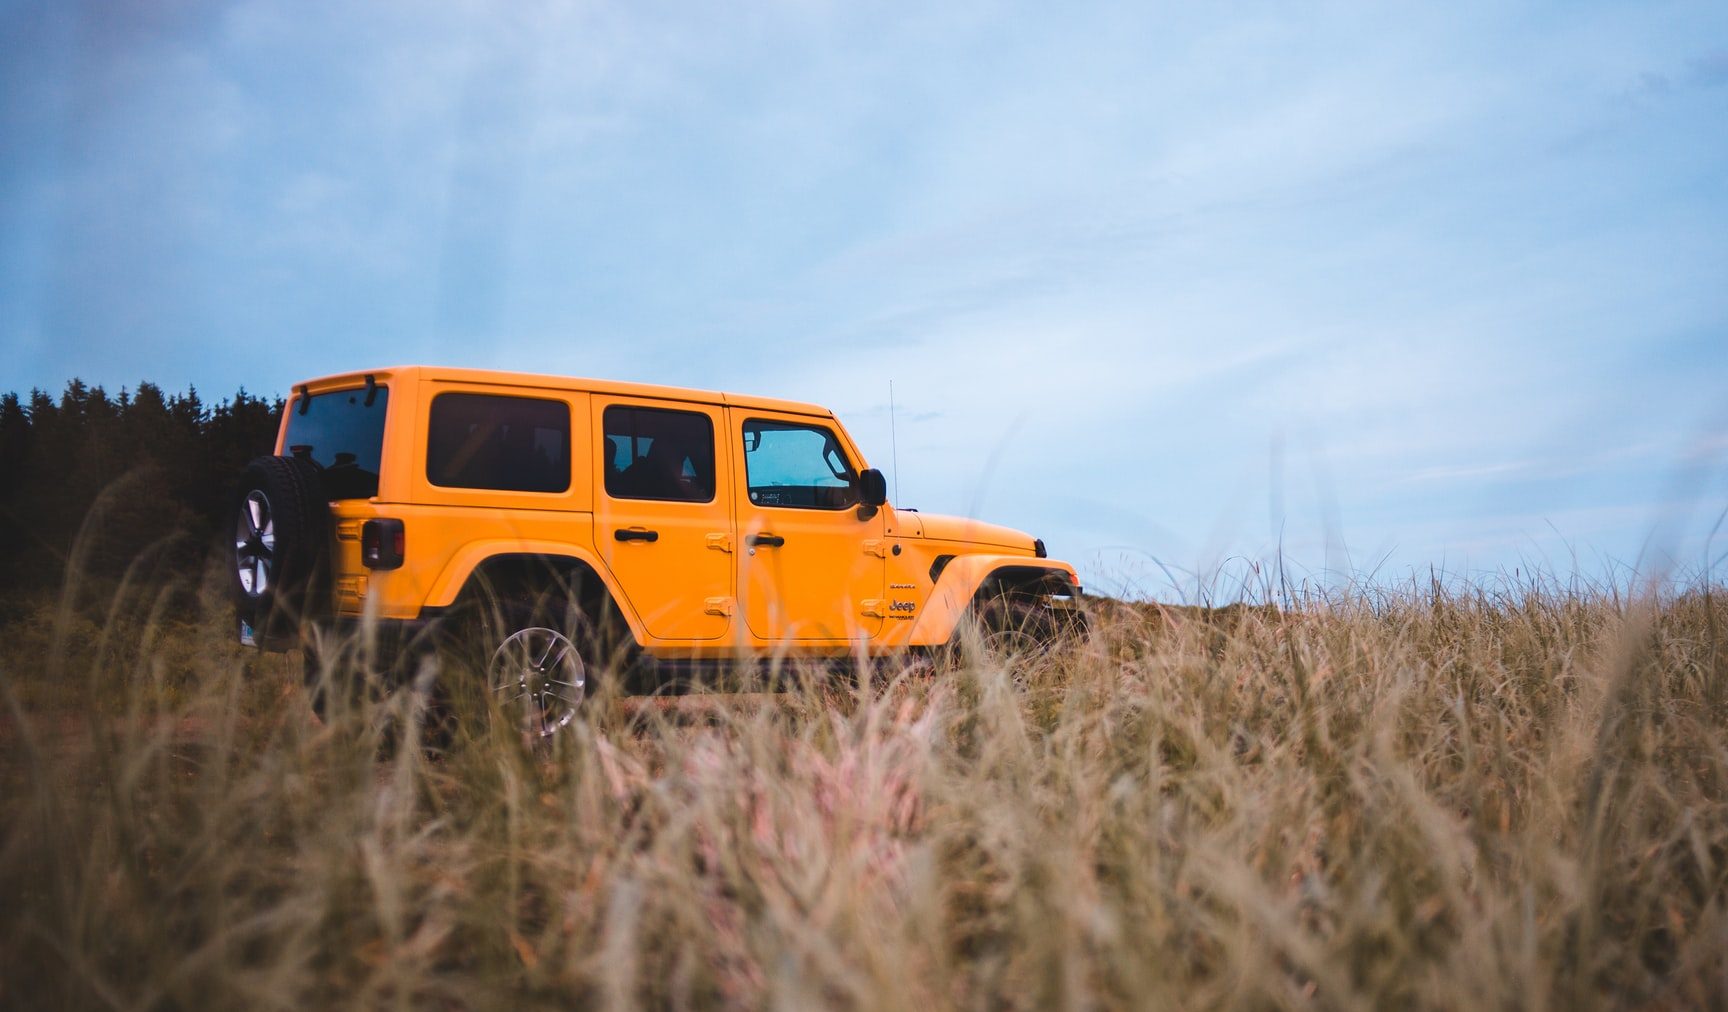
x,y
894,441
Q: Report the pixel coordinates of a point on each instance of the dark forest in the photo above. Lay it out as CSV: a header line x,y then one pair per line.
x,y
112,482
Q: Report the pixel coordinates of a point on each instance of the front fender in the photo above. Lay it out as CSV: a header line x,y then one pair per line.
x,y
959,584
462,565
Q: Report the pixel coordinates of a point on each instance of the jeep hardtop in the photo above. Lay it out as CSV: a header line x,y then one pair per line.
x,y
695,525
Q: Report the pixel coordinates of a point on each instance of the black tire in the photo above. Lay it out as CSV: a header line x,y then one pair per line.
x,y
280,559
1015,628
1007,627
321,665
348,673
338,671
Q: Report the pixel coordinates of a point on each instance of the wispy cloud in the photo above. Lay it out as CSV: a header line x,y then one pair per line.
x,y
1471,255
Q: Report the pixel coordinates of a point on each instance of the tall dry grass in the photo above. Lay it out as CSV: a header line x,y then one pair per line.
x,y
1422,798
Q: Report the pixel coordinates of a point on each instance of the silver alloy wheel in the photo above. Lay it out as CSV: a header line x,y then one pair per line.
x,y
255,543
538,676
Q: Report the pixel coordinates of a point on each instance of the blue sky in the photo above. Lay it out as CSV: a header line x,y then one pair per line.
x,y
1169,285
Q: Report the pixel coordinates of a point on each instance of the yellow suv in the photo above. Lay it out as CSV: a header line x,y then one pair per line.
x,y
705,526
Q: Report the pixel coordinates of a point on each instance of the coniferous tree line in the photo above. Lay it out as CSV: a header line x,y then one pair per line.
x,y
145,475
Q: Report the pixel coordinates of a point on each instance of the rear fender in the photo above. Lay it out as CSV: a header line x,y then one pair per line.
x,y
463,564
963,579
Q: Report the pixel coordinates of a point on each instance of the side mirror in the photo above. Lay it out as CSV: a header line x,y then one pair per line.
x,y
872,487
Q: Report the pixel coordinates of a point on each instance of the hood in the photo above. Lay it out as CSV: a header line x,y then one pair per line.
x,y
937,527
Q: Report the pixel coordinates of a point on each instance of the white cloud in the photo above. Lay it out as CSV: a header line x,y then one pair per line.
x,y
1108,254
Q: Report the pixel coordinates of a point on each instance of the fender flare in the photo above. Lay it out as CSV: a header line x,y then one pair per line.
x,y
473,555
959,585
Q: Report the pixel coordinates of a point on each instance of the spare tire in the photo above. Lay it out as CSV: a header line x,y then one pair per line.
x,y
281,556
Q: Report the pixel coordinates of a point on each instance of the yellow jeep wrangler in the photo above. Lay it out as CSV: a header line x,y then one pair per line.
x,y
545,511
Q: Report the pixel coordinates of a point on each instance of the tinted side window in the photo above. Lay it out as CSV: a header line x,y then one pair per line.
x,y
801,466
344,436
652,453
510,444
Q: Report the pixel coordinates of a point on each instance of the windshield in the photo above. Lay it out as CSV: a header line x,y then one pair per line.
x,y
342,431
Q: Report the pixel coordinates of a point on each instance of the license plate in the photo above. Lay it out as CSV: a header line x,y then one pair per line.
x,y
247,637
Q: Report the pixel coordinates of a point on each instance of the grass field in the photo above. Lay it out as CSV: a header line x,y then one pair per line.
x,y
1416,798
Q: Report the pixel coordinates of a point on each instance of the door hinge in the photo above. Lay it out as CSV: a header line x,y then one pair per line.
x,y
717,606
720,542
873,546
874,607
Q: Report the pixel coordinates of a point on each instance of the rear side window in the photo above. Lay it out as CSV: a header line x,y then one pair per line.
x,y
506,444
342,431
653,453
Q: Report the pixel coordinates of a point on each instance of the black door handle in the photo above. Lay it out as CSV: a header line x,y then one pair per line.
x,y
624,534
766,540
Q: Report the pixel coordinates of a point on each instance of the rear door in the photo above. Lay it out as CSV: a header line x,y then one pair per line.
x,y
809,568
662,521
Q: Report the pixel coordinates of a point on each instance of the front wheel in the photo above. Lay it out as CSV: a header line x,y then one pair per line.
x,y
1019,629
1011,629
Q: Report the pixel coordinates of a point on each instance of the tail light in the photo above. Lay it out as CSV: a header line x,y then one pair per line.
x,y
383,544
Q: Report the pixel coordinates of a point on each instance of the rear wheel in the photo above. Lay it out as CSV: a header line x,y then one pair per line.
x,y
526,668
537,679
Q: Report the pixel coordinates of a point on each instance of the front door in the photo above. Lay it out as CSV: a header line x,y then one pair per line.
x,y
661,520
809,568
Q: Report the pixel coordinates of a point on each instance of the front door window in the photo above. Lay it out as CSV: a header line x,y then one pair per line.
x,y
797,467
